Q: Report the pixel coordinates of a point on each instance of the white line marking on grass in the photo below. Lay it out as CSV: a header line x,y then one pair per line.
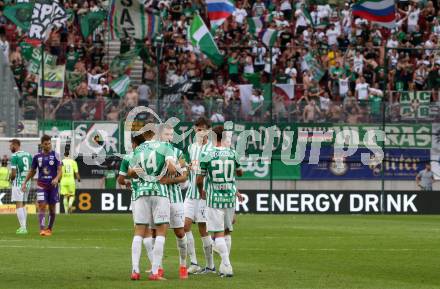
x,y
335,249
54,247
96,230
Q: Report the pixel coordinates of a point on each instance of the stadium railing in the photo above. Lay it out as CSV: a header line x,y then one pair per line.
x,y
218,110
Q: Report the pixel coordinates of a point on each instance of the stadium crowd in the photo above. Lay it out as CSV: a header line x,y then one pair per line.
x,y
361,63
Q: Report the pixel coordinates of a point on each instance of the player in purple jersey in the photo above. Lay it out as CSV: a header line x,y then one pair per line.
x,y
49,174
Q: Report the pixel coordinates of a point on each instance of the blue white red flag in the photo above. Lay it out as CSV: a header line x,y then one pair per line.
x,y
382,12
219,11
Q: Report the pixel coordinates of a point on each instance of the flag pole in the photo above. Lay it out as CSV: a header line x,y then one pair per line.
x,y
158,47
41,79
271,117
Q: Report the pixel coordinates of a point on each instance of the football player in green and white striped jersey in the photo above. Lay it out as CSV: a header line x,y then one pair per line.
x,y
219,166
171,184
132,184
20,164
150,203
194,205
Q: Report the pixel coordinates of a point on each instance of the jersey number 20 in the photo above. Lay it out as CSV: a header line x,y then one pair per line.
x,y
225,171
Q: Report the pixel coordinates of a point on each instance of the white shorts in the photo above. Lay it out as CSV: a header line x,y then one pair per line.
x,y
195,210
220,219
18,196
151,210
177,219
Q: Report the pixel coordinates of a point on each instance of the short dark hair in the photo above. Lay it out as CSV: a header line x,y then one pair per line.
x,y
138,139
218,130
202,121
45,138
15,141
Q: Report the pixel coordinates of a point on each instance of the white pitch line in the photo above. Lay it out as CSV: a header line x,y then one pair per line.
x,y
353,249
53,247
243,249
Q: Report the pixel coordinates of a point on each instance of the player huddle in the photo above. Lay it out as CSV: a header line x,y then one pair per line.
x,y
155,171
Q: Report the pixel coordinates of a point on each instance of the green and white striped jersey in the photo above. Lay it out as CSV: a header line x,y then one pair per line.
x,y
192,156
123,171
174,191
151,156
218,165
21,161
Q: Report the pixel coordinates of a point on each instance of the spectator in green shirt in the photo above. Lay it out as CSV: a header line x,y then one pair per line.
x,y
72,58
188,10
375,102
233,62
109,178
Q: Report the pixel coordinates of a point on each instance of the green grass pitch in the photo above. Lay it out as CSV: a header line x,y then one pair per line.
x,y
268,251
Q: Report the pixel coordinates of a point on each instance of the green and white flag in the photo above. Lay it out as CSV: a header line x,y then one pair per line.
x,y
310,21
20,14
269,37
35,61
253,78
200,37
53,81
130,19
74,79
120,85
307,15
255,24
90,21
124,61
26,50
37,18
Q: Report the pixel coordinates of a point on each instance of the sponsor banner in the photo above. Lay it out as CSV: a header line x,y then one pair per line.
x,y
53,127
414,104
252,171
399,164
401,136
6,207
397,135
96,138
27,127
436,137
96,170
337,202
10,209
260,170
288,202
103,201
